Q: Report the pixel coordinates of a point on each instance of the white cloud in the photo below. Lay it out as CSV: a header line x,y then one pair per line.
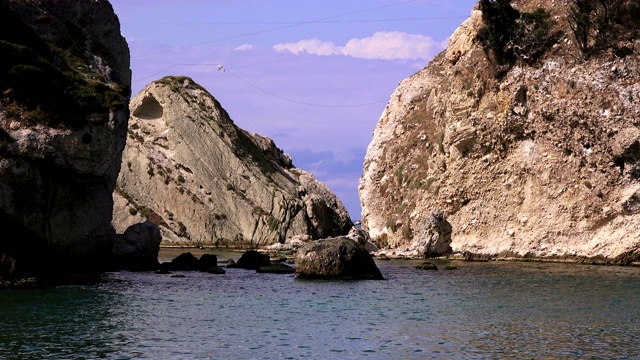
x,y
384,45
311,46
244,47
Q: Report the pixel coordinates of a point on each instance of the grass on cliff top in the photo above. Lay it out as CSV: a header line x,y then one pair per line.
x,y
43,85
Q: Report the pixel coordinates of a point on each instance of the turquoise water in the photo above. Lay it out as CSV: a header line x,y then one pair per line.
x,y
491,310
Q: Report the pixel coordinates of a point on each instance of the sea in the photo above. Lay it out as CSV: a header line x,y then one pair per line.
x,y
479,310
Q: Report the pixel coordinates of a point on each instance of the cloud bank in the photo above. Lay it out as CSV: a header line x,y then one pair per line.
x,y
383,45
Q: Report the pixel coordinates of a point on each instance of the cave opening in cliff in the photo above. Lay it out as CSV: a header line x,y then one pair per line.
x,y
149,109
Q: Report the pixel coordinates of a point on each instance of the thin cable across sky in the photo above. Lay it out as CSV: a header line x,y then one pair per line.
x,y
274,29
293,22
221,67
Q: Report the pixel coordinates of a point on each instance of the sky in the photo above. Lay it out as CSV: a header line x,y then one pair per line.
x,y
313,75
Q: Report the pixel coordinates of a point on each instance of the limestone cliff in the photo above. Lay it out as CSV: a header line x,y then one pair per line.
x,y
65,85
205,182
533,159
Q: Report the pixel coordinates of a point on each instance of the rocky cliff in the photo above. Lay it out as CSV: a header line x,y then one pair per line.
x,y
205,182
527,157
65,85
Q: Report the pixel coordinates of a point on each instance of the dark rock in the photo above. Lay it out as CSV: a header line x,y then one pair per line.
x,y
185,261
214,270
427,266
209,263
276,268
336,258
208,260
59,170
137,249
251,260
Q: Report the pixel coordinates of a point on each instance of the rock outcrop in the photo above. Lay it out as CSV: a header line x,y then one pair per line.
x,y
188,262
137,249
65,85
188,168
533,160
336,258
433,236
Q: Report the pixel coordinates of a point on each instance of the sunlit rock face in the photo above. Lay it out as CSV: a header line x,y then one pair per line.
x,y
205,182
535,161
65,85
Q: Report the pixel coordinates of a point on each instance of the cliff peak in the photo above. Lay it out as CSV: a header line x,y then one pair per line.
x,y
528,146
205,182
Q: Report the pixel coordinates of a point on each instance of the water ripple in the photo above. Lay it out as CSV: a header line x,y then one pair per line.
x,y
480,310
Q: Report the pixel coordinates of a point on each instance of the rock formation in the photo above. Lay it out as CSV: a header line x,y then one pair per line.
x,y
532,158
188,168
65,85
336,258
137,249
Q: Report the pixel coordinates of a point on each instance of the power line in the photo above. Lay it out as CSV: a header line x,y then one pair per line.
x,y
302,102
293,22
154,74
274,29
220,67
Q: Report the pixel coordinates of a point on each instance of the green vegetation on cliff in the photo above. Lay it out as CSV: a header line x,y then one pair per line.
x,y
40,81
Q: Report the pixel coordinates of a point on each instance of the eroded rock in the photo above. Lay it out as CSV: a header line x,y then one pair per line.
x,y
251,260
137,248
204,181
336,258
63,121
537,161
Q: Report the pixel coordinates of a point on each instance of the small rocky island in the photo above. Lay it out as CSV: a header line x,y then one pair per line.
x,y
205,182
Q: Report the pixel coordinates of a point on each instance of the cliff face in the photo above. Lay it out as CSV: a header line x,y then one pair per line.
x,y
65,85
188,168
539,161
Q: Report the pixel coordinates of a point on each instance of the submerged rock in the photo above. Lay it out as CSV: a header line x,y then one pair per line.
x,y
251,260
427,266
336,258
276,268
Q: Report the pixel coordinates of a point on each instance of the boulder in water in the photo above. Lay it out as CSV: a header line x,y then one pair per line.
x,y
251,260
276,268
336,258
137,249
185,261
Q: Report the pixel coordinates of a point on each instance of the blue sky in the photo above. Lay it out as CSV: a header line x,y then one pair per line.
x,y
313,75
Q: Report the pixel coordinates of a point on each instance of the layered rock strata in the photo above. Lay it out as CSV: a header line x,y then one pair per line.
x,y
538,161
205,182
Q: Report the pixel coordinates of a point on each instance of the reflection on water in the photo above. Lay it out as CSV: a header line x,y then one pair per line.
x,y
481,310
